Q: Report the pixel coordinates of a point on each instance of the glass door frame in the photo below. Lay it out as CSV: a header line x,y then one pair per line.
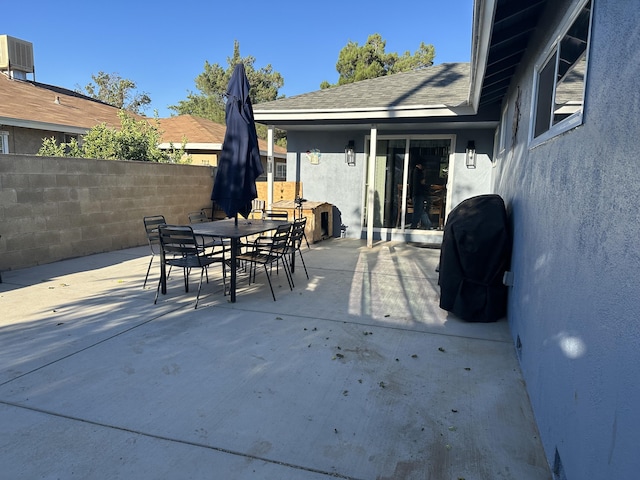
x,y
405,175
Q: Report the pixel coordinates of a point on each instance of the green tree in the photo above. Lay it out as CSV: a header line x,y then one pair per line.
x,y
120,92
212,86
135,140
370,60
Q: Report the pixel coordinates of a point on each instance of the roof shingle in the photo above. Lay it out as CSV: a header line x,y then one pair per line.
x,y
444,84
29,101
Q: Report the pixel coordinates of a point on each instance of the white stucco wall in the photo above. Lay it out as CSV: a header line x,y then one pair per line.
x,y
575,303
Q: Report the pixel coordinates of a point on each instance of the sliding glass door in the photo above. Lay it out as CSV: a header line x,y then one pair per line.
x,y
395,159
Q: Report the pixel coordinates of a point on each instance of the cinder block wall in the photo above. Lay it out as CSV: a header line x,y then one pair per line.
x,y
57,208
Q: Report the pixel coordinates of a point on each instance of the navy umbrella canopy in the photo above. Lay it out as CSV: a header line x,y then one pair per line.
x,y
239,165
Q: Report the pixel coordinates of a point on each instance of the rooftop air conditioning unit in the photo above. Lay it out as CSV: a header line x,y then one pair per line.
x,y
16,55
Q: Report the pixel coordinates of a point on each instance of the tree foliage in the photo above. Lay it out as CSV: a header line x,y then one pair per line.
x,y
135,140
370,60
120,92
212,86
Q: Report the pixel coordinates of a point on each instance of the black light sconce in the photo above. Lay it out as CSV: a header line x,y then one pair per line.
x,y
471,154
350,154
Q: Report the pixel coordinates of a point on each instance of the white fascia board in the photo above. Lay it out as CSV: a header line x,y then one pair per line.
x,y
364,113
191,146
53,127
483,13
265,153
209,146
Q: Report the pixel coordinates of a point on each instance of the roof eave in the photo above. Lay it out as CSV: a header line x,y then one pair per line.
x,y
368,114
35,125
483,14
191,146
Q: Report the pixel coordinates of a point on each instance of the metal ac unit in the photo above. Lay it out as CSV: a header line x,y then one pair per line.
x,y
16,54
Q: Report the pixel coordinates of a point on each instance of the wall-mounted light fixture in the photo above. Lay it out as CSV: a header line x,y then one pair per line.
x,y
350,154
471,154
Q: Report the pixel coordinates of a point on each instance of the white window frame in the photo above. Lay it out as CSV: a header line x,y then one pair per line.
x,y
549,53
281,170
4,142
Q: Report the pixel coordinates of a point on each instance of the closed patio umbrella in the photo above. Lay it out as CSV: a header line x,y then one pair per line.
x,y
234,187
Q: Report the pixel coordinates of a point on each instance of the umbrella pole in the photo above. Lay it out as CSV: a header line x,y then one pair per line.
x,y
236,219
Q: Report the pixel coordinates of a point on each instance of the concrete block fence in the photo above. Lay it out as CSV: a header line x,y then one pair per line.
x,y
57,208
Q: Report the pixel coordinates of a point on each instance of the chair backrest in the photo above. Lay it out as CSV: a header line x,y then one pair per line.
x,y
276,215
280,238
198,217
178,241
297,232
151,224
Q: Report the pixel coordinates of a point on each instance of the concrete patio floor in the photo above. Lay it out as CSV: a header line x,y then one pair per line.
x,y
355,374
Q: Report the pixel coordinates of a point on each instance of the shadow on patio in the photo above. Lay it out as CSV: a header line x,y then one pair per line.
x,y
356,373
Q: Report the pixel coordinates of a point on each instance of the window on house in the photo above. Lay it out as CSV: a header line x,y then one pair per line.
x,y
4,142
281,170
561,76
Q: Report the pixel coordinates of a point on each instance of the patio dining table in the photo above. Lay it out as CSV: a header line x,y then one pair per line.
x,y
228,229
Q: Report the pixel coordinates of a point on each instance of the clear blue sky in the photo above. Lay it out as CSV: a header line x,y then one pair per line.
x,y
162,45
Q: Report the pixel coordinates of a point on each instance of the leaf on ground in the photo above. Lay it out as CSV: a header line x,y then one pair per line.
x,y
414,356
441,349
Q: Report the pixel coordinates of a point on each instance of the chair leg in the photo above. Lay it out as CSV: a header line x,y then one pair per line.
x,y
303,264
186,272
287,271
155,300
148,270
266,272
200,286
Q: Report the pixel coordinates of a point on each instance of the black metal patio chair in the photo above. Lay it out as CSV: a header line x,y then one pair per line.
x,y
151,224
206,242
295,242
182,249
268,254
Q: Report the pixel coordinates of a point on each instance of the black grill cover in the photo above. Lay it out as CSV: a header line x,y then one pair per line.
x,y
476,249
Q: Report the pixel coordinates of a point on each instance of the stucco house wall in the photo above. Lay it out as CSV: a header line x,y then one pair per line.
x,y
343,186
574,304
28,140
331,180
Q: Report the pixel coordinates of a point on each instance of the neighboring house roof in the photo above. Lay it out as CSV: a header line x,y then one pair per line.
x,y
201,134
196,131
440,90
29,104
